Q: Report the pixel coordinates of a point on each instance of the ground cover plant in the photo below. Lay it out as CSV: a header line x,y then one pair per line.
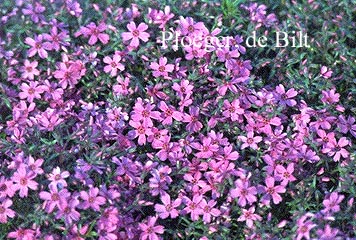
x,y
177,119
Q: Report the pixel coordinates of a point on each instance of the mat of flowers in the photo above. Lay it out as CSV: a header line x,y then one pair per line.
x,y
228,119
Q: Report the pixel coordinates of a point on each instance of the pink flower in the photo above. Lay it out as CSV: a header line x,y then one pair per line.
x,y
273,191
285,174
184,88
331,204
187,26
113,64
22,234
193,207
164,145
169,113
192,119
144,113
136,34
325,138
69,73
194,52
150,229
162,68
31,92
250,140
325,72
141,131
56,38
94,33
5,211
29,69
57,177
249,216
54,197
161,17
243,192
209,210
23,181
327,233
6,188
207,148
67,210
35,166
304,228
285,98
92,199
37,46
168,208
233,109
330,97
337,149
226,55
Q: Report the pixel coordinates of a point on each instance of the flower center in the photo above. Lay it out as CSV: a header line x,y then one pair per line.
x,y
23,181
135,33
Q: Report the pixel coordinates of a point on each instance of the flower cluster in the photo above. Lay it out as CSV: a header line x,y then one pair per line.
x,y
107,135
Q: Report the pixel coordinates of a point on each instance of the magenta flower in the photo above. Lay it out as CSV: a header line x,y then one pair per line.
x,y
38,46
233,109
327,233
68,212
347,125
5,211
325,72
6,188
331,204
184,88
141,131
192,119
169,113
150,229
337,149
325,138
209,210
53,197
31,92
113,64
35,10
249,216
57,177
23,181
273,191
244,193
193,207
91,199
207,148
285,174
168,208
304,228
136,34
29,70
162,68
144,113
330,97
56,39
94,33
228,56
187,26
22,234
250,140
286,98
